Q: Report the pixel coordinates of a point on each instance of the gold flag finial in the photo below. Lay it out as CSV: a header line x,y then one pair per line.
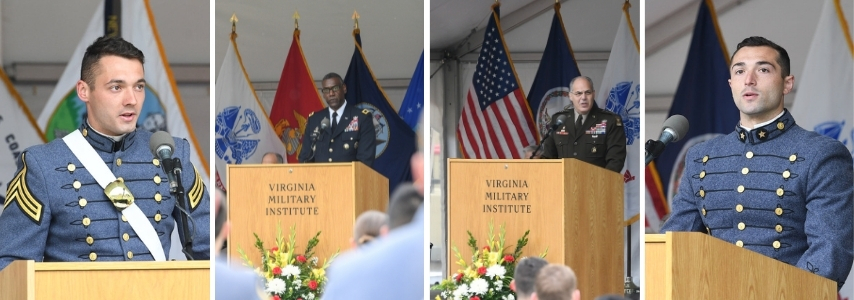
x,y
296,19
356,19
233,22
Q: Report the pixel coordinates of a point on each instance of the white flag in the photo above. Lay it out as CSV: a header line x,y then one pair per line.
x,y
242,128
620,93
824,101
18,130
162,109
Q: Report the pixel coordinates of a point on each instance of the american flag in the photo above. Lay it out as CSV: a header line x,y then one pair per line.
x,y
496,121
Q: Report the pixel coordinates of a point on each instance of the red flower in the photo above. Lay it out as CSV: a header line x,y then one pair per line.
x,y
508,258
459,277
277,271
274,249
312,285
474,298
276,297
481,271
486,248
299,298
300,258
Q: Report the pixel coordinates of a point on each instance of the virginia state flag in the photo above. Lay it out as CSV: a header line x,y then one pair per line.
x,y
243,133
296,97
395,139
162,109
413,101
18,130
550,90
824,101
705,99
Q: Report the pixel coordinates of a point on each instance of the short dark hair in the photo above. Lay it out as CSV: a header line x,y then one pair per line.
x,y
758,41
526,274
104,46
404,203
333,75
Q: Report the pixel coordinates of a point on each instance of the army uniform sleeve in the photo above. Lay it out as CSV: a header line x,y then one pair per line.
x,y
828,225
616,156
305,151
196,194
26,215
549,147
684,215
367,149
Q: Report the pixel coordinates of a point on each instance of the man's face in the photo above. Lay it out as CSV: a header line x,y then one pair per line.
x,y
270,159
581,96
757,84
334,99
115,100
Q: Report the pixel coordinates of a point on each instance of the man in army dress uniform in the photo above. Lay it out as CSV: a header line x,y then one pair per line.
x,y
770,186
591,134
56,208
350,135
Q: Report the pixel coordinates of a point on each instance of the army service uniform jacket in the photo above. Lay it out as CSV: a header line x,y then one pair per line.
x,y
56,211
600,141
779,190
354,138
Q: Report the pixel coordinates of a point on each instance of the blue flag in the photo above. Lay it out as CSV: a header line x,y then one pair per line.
x,y
550,91
395,139
703,96
413,101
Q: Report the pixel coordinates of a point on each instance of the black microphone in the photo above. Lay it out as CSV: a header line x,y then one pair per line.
x,y
558,122
163,146
317,130
674,128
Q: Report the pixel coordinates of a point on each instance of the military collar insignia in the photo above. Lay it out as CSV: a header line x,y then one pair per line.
x,y
105,143
768,132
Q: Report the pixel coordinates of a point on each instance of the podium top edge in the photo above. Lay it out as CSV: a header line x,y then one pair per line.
x,y
540,161
121,265
655,238
304,165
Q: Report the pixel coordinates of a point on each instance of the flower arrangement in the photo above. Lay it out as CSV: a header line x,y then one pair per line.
x,y
290,275
488,276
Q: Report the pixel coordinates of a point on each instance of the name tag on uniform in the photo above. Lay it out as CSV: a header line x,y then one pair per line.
x,y
562,131
598,128
354,125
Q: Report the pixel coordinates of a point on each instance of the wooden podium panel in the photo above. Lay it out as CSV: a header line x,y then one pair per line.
x,y
28,280
315,197
572,208
693,265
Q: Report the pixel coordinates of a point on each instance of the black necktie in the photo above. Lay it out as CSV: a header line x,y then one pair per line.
x,y
334,120
578,122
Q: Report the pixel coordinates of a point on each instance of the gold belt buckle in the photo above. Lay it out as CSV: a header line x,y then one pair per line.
x,y
119,194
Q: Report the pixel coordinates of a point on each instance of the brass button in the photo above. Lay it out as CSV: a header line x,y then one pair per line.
x,y
778,228
778,211
86,221
739,208
81,202
158,197
776,244
120,179
90,240
739,243
332,140
787,174
749,154
93,256
130,255
71,167
702,194
346,146
780,125
124,219
118,162
793,158
330,159
157,179
741,226
741,189
704,211
745,171
780,192
705,158
126,237
156,162
157,217
85,133
702,174
76,185
330,150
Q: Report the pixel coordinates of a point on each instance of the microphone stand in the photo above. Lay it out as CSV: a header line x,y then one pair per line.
x,y
653,149
540,145
173,165
630,290
314,136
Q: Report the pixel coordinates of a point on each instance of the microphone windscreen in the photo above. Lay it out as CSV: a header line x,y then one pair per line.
x,y
158,139
560,120
677,123
324,123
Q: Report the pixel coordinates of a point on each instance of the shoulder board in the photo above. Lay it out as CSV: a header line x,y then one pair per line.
x,y
567,108
311,114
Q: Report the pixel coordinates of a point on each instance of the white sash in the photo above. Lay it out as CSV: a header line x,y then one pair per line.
x,y
93,163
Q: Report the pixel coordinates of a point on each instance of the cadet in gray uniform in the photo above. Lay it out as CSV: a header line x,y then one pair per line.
x,y
770,186
353,138
599,139
56,211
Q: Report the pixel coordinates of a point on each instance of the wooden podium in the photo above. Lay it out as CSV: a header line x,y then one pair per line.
x,y
695,266
572,207
324,197
28,280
